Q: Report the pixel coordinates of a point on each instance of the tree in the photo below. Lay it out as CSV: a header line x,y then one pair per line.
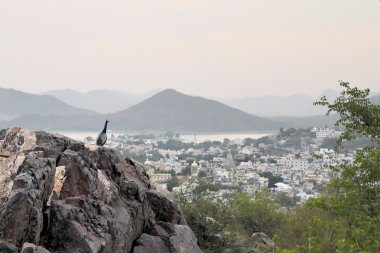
x,y
356,185
173,182
249,142
356,113
186,171
202,174
259,215
212,222
272,180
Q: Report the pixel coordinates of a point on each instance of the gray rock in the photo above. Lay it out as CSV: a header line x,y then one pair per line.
x,y
63,196
31,248
168,237
263,242
8,248
165,209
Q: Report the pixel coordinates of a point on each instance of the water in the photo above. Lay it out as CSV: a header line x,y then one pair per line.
x,y
220,137
81,135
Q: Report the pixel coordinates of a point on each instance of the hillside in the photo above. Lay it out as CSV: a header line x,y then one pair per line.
x,y
305,122
167,110
171,110
375,99
102,101
297,105
15,103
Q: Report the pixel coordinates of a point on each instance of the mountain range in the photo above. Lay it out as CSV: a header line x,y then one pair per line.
x,y
102,101
166,110
297,105
15,103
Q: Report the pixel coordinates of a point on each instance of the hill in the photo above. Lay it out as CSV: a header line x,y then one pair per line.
x,y
297,105
375,99
15,103
171,110
102,101
305,122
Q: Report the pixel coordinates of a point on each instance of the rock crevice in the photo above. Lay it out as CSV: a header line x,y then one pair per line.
x,y
60,195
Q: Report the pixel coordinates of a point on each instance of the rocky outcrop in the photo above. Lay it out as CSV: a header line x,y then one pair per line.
x,y
262,243
60,195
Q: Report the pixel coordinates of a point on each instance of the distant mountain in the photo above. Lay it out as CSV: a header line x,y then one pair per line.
x,y
297,105
270,106
330,94
102,101
57,122
15,103
171,110
167,110
305,122
375,99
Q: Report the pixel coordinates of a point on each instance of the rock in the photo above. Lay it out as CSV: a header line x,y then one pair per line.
x,y
262,243
168,237
59,195
164,208
8,248
31,248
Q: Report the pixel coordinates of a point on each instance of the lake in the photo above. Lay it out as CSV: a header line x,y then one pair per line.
x,y
201,137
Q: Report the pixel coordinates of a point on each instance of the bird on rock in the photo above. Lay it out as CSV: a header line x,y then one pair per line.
x,y
102,137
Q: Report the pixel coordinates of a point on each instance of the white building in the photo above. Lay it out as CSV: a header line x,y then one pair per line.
x,y
289,162
160,177
323,133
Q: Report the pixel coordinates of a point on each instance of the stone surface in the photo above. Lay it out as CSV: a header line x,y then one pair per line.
x,y
263,242
31,248
167,237
8,247
60,195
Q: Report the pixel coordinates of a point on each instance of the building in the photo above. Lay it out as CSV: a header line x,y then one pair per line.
x,y
229,163
194,169
289,162
160,177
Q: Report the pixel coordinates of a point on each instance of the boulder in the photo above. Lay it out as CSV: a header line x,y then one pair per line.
x,y
31,248
60,195
168,237
8,247
262,243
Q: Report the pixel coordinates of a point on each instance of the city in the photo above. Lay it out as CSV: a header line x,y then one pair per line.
x,y
293,163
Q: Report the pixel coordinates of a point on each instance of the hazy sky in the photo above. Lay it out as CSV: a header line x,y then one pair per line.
x,y
213,48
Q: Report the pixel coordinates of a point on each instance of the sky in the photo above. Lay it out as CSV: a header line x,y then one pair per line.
x,y
212,48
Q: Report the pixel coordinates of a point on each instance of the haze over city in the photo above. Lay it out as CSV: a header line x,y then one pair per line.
x,y
205,48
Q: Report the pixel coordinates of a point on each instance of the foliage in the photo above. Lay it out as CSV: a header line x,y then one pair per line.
x,y
249,142
272,180
202,174
356,113
186,171
284,200
260,215
173,182
204,186
356,185
212,222
310,229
